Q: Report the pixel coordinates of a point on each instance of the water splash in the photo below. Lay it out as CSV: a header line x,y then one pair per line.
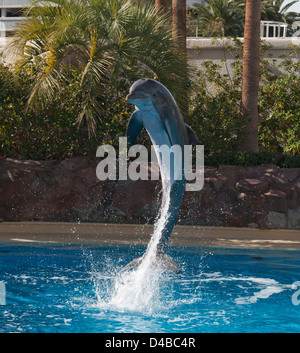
x,y
139,289
131,290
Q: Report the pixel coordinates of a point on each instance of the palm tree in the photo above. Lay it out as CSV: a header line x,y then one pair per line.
x,y
250,80
276,10
162,5
179,24
219,18
106,41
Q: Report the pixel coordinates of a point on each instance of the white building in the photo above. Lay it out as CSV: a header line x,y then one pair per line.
x,y
11,14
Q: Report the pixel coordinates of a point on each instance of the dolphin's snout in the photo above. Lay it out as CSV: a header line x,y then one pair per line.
x,y
133,97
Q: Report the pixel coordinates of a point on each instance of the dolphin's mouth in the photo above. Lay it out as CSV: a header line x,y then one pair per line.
x,y
132,97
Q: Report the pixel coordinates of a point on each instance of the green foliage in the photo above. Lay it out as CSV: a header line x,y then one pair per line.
x,y
215,109
246,158
219,18
290,161
77,60
278,10
227,17
53,132
279,108
106,42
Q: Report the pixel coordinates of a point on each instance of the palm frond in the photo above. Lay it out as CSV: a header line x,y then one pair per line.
x,y
105,41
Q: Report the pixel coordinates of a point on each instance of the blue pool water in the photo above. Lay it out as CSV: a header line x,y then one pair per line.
x,y
84,288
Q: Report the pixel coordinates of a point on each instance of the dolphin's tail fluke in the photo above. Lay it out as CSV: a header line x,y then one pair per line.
x,y
135,262
161,260
166,262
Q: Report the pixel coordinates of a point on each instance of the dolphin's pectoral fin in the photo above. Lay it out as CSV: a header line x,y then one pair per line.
x,y
193,138
134,127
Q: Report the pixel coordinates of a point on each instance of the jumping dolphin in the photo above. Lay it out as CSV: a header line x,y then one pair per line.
x,y
157,111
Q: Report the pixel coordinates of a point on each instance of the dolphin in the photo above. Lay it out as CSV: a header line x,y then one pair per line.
x,y
157,112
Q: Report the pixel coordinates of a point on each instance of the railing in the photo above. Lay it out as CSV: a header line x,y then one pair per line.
x,y
8,24
13,3
269,29
192,27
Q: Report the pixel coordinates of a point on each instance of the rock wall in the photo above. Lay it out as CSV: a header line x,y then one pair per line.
x,y
262,197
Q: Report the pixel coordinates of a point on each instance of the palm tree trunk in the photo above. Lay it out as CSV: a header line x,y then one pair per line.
x,y
179,35
179,24
162,5
250,81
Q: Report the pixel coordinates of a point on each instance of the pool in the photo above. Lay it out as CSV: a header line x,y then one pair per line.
x,y
55,287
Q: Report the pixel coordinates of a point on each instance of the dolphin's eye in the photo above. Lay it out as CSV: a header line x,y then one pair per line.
x,y
154,95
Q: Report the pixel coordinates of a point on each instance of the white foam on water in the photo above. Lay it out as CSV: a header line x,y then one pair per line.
x,y
137,290
266,286
262,294
133,290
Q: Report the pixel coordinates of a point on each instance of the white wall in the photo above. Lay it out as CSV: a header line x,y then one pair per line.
x,y
203,49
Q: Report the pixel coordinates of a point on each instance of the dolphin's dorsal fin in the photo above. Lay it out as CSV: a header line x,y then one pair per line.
x,y
134,127
193,138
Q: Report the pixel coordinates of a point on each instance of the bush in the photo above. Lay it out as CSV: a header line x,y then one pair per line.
x,y
252,159
279,108
215,109
53,132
